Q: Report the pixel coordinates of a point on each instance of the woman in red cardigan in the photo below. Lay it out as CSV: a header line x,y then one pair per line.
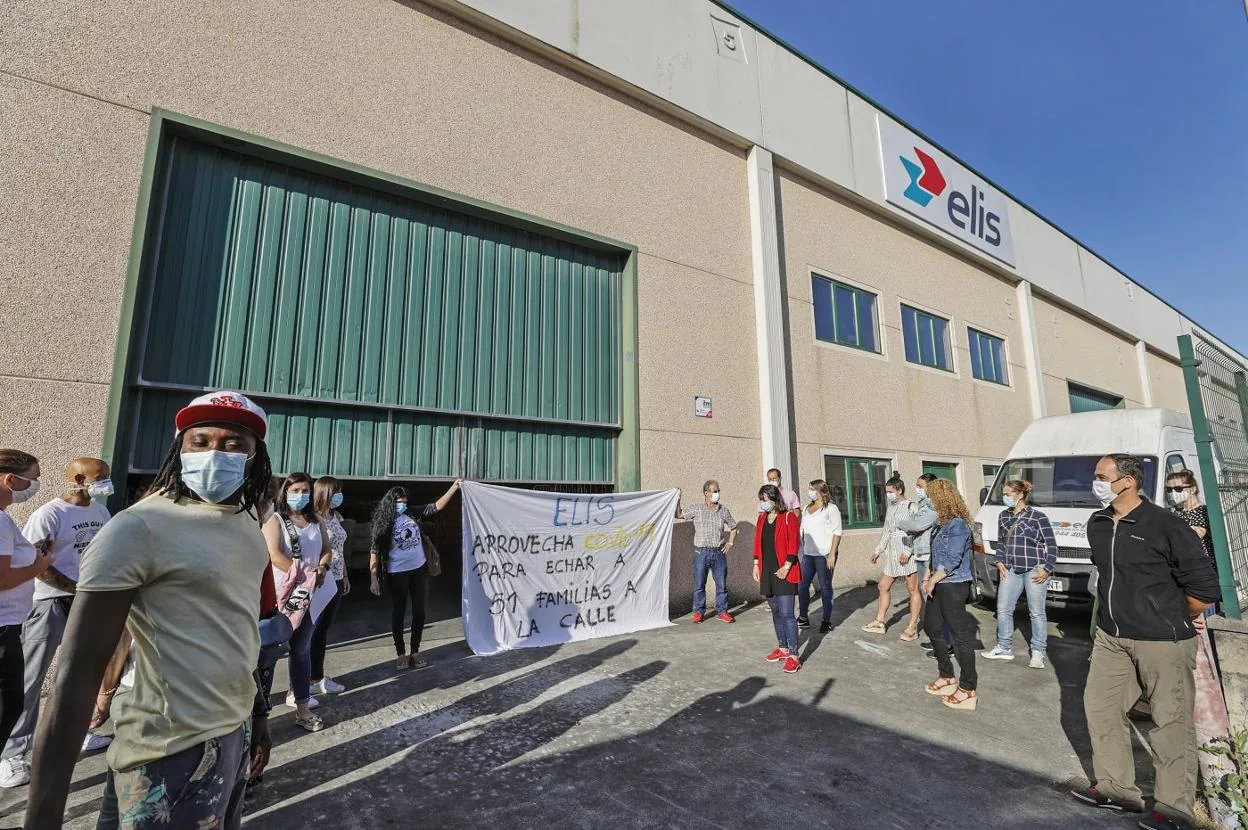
x,y
778,571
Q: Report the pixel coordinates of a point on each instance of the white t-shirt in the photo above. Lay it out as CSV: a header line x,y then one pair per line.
x,y
407,552
309,545
70,528
15,603
818,528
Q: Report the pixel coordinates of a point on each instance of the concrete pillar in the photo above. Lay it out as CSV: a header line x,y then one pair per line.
x,y
1146,379
1031,350
773,392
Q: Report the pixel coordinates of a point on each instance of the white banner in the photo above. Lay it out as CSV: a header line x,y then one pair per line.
x,y
548,568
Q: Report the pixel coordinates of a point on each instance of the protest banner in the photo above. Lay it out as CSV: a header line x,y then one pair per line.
x,y
547,568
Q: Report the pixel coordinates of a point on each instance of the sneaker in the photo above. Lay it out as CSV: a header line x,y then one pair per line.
x,y
1037,661
327,686
94,742
1156,821
725,617
776,656
792,664
290,701
997,653
1098,799
803,622
14,772
698,617
825,626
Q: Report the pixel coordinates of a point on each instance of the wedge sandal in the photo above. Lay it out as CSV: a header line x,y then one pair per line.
x,y
875,627
961,699
943,687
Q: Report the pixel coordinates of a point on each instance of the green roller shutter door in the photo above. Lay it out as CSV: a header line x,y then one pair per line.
x,y
386,336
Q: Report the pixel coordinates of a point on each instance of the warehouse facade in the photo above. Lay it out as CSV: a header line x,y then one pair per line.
x,y
607,245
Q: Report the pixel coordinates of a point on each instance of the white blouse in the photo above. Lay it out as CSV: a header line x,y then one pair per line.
x,y
818,528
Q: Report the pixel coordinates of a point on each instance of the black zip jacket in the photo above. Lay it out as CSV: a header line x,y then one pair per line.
x,y
1146,566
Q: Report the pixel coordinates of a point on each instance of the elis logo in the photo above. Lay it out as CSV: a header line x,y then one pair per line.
x,y
969,214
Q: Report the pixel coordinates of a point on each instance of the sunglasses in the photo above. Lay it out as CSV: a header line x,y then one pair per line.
x,y
1176,489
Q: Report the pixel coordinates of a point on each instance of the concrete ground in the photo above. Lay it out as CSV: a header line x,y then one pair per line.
x,y
678,727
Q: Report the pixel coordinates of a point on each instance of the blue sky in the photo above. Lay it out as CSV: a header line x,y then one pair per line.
x,y
1123,122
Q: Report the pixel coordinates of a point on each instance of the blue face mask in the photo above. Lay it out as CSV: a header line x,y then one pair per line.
x,y
336,501
1009,501
297,501
400,507
213,475
765,507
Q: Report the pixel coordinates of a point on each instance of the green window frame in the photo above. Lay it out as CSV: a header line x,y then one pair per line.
x,y
948,470
845,315
926,339
987,357
1089,399
857,485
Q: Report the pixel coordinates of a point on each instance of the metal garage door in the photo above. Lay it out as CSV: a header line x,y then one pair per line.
x,y
386,336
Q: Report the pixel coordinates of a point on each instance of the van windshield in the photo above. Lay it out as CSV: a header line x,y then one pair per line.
x,y
1063,481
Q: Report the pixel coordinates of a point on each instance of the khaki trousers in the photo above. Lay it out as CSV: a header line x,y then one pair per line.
x,y
1162,672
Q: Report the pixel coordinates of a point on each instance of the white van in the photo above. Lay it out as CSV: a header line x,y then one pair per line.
x,y
1058,455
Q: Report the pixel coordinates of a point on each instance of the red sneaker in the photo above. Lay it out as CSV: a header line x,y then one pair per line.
x,y
725,617
776,656
792,664
697,617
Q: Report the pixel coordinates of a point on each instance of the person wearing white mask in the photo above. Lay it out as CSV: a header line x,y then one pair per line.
x,y
295,532
20,564
71,522
714,534
894,549
787,497
181,569
821,539
327,497
1183,494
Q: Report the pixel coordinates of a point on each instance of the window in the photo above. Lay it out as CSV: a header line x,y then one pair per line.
x,y
990,472
844,314
1087,399
987,357
1064,481
942,469
857,486
927,338
1175,464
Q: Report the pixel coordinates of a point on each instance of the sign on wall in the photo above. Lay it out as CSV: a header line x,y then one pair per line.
x,y
548,568
701,407
923,181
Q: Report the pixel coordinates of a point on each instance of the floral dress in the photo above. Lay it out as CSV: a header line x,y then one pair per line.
x,y
895,543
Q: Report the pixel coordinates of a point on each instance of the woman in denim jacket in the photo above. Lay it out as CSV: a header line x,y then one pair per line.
x,y
948,587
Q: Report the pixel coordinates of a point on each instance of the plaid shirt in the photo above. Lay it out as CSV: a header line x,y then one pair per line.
x,y
709,523
1025,540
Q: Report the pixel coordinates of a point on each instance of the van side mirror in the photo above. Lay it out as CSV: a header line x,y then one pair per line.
x,y
983,496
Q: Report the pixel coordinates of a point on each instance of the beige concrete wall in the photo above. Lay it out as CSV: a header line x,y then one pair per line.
x,y
392,86
1073,348
1166,376
880,405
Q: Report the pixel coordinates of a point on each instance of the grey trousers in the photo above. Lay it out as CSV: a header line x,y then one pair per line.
x,y
1163,672
41,635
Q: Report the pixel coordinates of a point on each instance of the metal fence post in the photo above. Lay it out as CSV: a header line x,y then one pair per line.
x,y
1209,475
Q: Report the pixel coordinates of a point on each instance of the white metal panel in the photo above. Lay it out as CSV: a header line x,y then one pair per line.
x,y
865,143
669,48
551,21
805,114
1046,257
1109,294
1159,325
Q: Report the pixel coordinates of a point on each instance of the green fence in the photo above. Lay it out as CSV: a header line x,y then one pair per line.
x,y
1217,396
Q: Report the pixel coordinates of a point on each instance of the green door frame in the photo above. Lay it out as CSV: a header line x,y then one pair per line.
x,y
164,123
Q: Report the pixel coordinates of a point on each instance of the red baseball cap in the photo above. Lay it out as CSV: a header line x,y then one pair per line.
x,y
226,407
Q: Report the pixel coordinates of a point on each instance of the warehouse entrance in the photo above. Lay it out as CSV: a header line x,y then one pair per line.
x,y
392,334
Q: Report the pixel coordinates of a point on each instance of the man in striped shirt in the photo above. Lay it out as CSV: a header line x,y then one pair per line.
x,y
714,533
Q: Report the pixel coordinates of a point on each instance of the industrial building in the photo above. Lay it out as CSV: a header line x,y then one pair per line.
x,y
592,245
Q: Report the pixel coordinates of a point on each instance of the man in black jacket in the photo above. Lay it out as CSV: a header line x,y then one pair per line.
x,y
1154,583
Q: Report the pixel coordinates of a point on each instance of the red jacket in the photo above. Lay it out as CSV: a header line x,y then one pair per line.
x,y
787,542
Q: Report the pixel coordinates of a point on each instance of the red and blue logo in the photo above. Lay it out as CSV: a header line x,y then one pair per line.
x,y
926,180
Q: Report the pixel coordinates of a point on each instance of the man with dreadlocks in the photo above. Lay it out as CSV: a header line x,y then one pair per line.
x,y
181,570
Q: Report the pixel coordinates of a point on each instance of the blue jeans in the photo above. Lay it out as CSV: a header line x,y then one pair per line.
x,y
301,659
782,617
1009,589
715,561
813,566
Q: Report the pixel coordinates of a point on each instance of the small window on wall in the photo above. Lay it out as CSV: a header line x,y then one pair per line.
x,y
942,469
857,486
1087,399
927,338
987,357
845,314
990,472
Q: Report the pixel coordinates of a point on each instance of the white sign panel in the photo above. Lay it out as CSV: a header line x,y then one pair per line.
x,y
701,407
548,568
923,181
